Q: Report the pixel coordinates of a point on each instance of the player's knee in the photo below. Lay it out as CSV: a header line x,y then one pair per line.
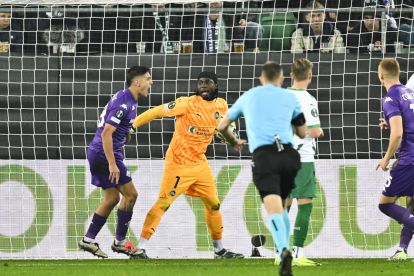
x,y
113,200
213,207
133,196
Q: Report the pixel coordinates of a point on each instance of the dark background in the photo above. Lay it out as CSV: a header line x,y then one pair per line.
x,y
49,105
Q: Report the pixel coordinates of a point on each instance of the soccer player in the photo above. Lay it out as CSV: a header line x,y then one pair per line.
x,y
406,233
270,111
305,181
186,168
105,156
398,107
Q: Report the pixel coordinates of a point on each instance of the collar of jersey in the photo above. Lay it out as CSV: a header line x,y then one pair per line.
x,y
297,89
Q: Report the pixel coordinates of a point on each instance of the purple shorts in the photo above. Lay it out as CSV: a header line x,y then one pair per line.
x,y
99,168
400,181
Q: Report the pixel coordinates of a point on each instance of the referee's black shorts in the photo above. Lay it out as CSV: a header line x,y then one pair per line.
x,y
274,172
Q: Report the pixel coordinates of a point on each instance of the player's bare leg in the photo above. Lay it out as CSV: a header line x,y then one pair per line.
x,y
125,210
110,200
278,227
405,237
214,222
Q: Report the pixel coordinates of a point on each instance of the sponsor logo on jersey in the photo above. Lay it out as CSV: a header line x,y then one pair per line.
x,y
203,131
192,129
171,105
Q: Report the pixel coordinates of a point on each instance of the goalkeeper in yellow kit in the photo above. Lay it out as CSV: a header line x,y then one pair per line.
x,y
186,167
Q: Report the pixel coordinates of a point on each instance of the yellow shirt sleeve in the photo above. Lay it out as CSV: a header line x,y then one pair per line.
x,y
148,116
176,108
171,109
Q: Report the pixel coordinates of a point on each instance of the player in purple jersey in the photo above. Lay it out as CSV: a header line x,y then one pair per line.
x,y
398,107
406,234
105,156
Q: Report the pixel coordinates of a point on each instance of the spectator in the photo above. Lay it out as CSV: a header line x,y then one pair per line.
x,y
10,39
161,28
212,32
367,36
316,33
341,20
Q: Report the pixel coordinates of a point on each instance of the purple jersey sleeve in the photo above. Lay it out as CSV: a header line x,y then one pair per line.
x,y
391,107
119,110
399,101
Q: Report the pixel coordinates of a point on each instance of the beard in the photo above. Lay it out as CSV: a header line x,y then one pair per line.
x,y
207,95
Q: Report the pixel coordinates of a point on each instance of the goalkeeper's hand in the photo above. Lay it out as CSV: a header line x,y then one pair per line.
x,y
129,136
233,129
238,144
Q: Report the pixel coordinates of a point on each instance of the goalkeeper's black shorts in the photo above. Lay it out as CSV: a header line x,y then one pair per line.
x,y
274,172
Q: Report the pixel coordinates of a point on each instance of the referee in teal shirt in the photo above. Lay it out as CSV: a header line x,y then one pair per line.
x,y
272,114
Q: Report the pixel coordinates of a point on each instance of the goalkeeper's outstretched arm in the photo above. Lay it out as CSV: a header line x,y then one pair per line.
x,y
171,109
148,116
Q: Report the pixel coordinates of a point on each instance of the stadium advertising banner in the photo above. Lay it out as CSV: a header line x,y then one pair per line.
x,y
46,205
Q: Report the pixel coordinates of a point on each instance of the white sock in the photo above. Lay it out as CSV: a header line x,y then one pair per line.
x,y
218,245
86,239
120,242
142,244
297,252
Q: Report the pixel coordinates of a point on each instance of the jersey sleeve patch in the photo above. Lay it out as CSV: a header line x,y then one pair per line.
x,y
115,120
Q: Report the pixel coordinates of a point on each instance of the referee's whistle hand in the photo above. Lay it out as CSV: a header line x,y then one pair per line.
x,y
238,145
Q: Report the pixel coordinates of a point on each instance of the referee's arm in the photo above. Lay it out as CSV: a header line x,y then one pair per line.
x,y
228,134
299,124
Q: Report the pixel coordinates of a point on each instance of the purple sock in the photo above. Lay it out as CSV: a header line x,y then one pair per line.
x,y
405,238
124,218
95,226
400,214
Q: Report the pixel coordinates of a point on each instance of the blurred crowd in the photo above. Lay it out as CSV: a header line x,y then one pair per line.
x,y
218,27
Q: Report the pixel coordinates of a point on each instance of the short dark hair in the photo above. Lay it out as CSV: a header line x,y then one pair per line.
x,y
135,71
271,70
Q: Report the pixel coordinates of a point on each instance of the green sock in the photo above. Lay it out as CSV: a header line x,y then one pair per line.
x,y
302,224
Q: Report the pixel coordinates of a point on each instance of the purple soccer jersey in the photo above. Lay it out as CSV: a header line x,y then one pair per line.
x,y
400,101
120,112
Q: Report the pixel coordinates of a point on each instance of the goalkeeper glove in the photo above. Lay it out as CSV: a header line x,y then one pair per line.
x,y
130,133
233,129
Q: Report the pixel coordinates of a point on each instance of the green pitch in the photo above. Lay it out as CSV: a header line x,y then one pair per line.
x,y
183,267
